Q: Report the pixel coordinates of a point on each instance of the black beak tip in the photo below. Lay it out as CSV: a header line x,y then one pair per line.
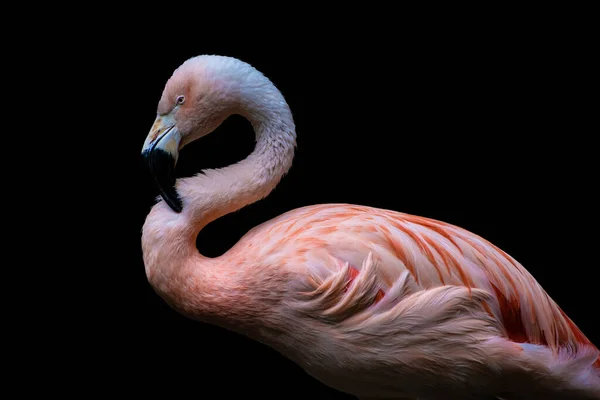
x,y
162,168
174,202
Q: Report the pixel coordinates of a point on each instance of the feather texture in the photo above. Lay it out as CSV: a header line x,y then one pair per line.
x,y
377,303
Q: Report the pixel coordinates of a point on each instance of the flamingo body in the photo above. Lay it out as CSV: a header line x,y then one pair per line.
x,y
373,302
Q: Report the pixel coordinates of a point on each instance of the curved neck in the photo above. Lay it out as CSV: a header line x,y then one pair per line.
x,y
217,192
169,239
173,264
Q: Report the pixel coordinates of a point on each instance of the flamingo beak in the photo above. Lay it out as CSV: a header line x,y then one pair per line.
x,y
160,152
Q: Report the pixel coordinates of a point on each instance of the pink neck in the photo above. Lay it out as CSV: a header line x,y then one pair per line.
x,y
216,290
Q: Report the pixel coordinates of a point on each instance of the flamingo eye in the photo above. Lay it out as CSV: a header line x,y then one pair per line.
x,y
180,100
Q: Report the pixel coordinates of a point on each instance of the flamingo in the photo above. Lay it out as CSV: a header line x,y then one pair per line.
x,y
376,303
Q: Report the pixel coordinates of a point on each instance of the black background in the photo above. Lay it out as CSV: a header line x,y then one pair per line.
x,y
482,131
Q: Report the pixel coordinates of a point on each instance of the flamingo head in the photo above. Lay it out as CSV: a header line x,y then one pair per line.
x,y
200,94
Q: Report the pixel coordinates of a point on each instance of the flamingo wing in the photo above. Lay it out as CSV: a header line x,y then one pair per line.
x,y
417,253
387,303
